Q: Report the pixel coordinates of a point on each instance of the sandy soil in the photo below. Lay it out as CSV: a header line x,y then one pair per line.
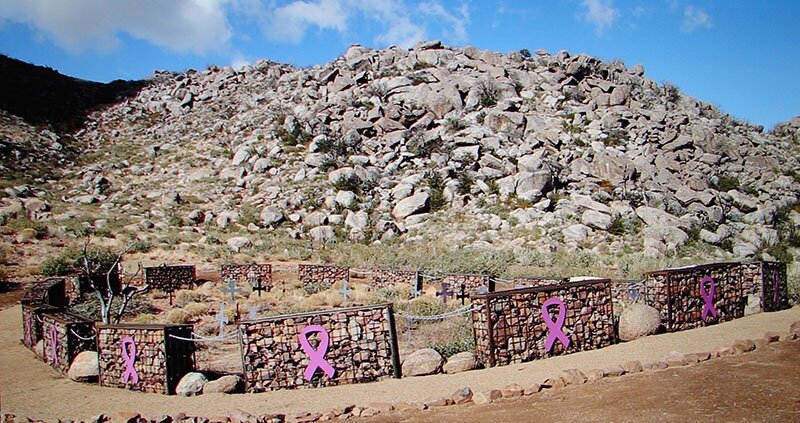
x,y
758,386
30,387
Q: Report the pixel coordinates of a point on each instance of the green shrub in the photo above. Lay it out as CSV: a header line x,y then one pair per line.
x,y
488,93
725,183
349,183
389,294
71,260
89,305
454,124
313,288
465,182
436,185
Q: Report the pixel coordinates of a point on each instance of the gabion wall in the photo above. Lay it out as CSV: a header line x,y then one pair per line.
x,y
148,358
322,274
361,347
515,326
62,333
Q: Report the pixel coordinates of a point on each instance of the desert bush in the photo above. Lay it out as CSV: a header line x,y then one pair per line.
x,y
144,318
436,185
455,124
389,294
89,306
71,260
178,316
488,93
186,296
313,288
196,309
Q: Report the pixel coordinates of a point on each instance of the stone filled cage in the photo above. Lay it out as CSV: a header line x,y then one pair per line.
x,y
154,357
768,281
169,279
32,322
362,347
509,326
681,295
243,273
65,335
52,291
463,285
385,278
322,275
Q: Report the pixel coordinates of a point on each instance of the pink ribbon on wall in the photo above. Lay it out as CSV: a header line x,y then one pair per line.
x,y
555,329
316,357
129,356
708,297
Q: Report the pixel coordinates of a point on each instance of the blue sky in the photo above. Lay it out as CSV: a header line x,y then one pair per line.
x,y
739,55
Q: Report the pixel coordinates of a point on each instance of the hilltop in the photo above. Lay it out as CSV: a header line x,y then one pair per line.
x,y
519,154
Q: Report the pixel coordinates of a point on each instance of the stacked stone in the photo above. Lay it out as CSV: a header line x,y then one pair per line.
x,y
384,278
361,348
322,275
170,278
32,323
683,308
62,332
626,292
241,273
472,283
160,360
751,278
50,291
530,281
510,328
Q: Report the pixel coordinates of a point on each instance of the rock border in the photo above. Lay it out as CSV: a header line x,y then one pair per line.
x,y
465,395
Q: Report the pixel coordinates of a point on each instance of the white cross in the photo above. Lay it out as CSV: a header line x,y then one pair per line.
x,y
345,290
232,289
222,319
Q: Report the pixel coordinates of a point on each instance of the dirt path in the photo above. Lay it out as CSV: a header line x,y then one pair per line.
x,y
758,386
31,388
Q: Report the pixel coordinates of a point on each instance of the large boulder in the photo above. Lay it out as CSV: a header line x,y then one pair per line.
x,y
638,320
84,367
423,362
238,243
228,384
191,384
461,362
414,204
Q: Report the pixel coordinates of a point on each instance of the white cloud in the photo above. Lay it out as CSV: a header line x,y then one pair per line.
x,y
398,23
695,18
600,13
290,22
180,25
458,23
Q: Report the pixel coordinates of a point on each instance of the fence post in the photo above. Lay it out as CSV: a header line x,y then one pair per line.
x,y
398,373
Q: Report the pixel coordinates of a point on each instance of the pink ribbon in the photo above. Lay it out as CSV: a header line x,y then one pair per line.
x,y
316,358
53,345
129,356
708,297
555,328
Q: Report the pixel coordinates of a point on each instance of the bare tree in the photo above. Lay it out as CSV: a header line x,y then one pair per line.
x,y
106,294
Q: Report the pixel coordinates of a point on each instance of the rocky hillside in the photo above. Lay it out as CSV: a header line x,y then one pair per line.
x,y
463,146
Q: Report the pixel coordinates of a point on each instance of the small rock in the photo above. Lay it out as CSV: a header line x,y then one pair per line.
x,y
772,337
535,388
322,233
461,362
227,384
191,384
595,374
744,345
655,365
237,415
574,377
698,356
512,390
422,362
441,402
638,320
84,368
462,396
124,417
615,371
633,366
238,243
487,397
723,351
674,359
416,203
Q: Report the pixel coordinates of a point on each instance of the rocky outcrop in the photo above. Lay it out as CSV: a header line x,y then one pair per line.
x,y
376,142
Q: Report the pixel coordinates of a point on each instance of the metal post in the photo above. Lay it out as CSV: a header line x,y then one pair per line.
x,y
393,339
